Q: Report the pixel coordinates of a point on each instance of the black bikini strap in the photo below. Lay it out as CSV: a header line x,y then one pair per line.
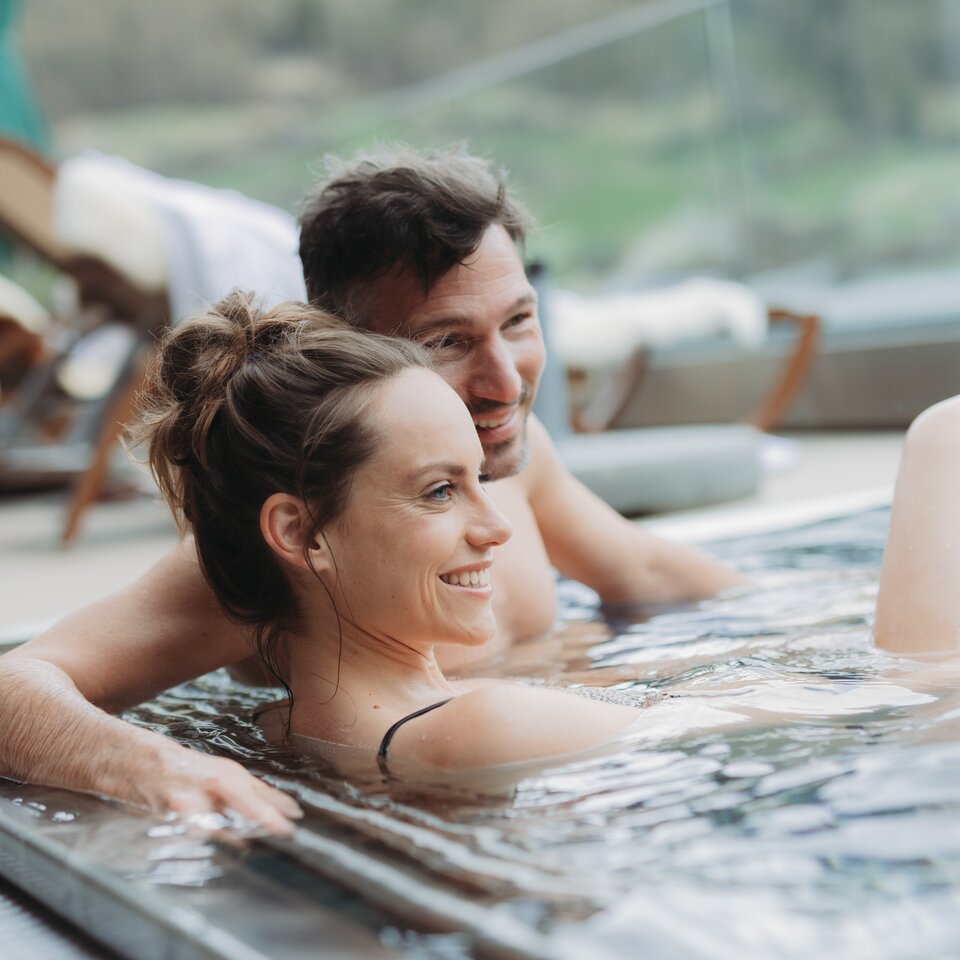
x,y
388,736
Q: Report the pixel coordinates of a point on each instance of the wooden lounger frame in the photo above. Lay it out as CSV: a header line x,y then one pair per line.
x,y
27,214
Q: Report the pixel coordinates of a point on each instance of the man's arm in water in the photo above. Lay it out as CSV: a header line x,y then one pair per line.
x,y
58,691
590,542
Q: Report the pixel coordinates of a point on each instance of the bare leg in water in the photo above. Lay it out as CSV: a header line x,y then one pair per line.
x,y
918,606
918,603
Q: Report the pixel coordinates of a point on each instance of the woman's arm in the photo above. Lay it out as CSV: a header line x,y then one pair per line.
x,y
508,723
918,606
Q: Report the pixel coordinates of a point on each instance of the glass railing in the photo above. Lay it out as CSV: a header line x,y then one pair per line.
x,y
742,138
783,142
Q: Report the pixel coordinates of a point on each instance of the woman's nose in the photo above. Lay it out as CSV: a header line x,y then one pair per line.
x,y
491,528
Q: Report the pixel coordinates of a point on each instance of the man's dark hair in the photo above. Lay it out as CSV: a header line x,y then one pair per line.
x,y
425,212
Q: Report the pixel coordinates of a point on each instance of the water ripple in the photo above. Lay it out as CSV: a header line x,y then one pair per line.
x,y
824,823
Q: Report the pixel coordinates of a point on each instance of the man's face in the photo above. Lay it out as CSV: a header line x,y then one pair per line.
x,y
480,321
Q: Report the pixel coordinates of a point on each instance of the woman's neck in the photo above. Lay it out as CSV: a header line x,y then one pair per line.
x,y
348,686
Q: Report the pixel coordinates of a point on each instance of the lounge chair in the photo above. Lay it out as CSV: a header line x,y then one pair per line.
x,y
889,348
23,325
659,469
144,251
45,434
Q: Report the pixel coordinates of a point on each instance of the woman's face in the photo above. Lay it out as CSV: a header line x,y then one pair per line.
x,y
414,546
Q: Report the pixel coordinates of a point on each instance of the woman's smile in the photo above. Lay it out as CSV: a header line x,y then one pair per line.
x,y
474,578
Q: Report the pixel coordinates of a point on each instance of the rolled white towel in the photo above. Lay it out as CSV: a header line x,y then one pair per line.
x,y
600,331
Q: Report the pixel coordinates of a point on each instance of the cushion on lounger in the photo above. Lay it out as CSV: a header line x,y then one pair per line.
x,y
597,332
658,469
201,241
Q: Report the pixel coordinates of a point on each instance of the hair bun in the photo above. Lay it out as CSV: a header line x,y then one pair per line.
x,y
198,359
200,356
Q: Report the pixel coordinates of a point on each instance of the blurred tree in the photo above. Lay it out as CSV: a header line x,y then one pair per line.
x,y
111,54
865,62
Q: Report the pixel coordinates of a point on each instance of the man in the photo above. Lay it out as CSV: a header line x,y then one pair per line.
x,y
421,246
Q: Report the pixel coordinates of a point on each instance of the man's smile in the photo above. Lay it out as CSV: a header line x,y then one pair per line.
x,y
489,424
500,430
499,423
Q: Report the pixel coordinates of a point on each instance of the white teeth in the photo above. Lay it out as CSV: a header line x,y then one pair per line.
x,y
471,578
490,424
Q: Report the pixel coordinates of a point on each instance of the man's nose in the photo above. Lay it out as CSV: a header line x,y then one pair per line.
x,y
494,375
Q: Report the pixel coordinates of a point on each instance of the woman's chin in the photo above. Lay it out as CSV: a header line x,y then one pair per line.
x,y
476,636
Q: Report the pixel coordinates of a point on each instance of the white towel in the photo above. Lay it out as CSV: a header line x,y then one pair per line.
x,y
211,241
599,331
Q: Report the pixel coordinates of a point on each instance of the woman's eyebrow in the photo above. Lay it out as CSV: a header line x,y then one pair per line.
x,y
445,467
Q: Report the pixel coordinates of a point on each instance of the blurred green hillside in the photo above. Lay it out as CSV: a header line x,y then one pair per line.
x,y
755,135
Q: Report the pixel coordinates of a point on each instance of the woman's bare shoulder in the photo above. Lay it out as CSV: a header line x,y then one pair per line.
x,y
508,723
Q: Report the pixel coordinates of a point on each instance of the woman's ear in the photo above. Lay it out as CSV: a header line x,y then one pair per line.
x,y
287,527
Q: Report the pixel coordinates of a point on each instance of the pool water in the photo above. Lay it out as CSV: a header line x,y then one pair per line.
x,y
826,823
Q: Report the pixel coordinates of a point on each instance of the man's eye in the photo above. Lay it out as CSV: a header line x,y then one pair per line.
x,y
449,345
520,318
441,493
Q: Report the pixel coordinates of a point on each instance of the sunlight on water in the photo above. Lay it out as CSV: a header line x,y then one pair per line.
x,y
824,822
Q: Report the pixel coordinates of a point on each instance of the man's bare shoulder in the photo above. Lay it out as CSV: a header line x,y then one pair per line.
x,y
542,463
545,475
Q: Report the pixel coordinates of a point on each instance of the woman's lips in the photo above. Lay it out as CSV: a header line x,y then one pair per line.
x,y
474,577
469,578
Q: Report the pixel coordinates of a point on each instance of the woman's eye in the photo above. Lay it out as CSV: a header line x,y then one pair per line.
x,y
441,493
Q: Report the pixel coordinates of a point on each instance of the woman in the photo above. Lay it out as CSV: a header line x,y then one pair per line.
x,y
333,485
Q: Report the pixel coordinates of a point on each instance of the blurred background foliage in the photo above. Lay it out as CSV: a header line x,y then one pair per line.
x,y
736,138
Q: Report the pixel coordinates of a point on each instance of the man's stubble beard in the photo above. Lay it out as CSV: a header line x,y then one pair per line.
x,y
509,458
